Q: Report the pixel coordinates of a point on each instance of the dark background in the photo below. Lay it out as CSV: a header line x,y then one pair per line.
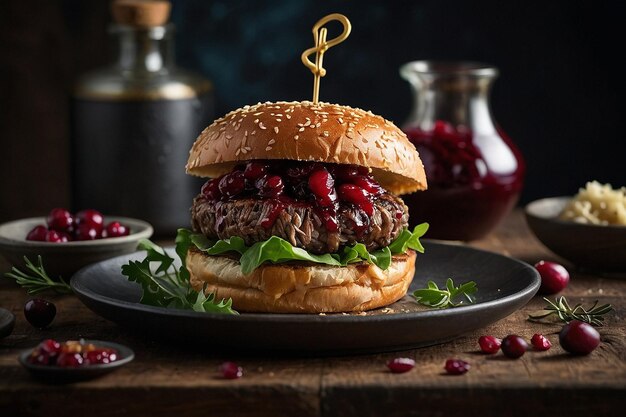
x,y
559,96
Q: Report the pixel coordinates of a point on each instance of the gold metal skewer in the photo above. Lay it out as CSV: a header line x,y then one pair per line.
x,y
321,46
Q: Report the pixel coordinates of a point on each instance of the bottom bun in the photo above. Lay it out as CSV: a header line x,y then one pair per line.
x,y
306,288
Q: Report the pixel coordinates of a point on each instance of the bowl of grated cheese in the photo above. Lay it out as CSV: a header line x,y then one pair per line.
x,y
589,229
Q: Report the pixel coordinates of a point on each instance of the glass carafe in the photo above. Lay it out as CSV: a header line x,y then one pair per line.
x,y
474,171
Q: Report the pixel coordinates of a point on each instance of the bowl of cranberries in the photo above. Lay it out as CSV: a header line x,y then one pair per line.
x,y
64,361
68,241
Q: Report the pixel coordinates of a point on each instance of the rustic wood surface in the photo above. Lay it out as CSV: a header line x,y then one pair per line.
x,y
167,380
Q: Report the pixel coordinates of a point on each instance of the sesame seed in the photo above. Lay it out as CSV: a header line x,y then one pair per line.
x,y
262,126
268,148
279,120
256,121
258,113
340,120
288,116
271,142
238,152
301,129
276,129
296,137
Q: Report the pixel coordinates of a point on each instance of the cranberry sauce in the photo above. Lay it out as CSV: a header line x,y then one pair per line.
x,y
322,186
473,181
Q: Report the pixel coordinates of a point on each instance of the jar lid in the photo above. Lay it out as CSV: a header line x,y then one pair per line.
x,y
141,13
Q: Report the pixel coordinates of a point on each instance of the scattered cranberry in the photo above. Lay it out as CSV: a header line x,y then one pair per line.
x,y
540,342
91,218
456,366
321,183
489,344
513,346
115,229
60,219
579,338
401,365
70,359
38,234
554,277
87,232
230,370
39,312
211,189
232,184
53,236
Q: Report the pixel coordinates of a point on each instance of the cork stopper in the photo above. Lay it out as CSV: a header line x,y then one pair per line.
x,y
141,13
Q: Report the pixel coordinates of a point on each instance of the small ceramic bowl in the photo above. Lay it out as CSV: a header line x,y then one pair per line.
x,y
66,258
58,374
7,322
599,248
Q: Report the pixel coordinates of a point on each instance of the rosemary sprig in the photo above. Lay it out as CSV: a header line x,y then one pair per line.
x,y
432,296
560,307
36,279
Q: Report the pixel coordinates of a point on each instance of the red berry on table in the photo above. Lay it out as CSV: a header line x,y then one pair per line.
x,y
90,217
400,365
489,344
45,353
540,342
116,229
60,219
38,233
579,338
513,346
230,370
554,277
456,366
100,356
39,312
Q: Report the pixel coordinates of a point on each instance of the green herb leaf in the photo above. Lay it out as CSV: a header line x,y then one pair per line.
x,y
433,296
36,280
164,285
560,308
408,240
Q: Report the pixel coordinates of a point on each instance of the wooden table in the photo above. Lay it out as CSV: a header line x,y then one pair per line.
x,y
165,380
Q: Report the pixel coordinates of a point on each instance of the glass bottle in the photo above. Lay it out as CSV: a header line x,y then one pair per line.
x,y
134,122
474,171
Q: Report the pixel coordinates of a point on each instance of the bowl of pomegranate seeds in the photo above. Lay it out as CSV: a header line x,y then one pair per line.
x,y
68,241
73,360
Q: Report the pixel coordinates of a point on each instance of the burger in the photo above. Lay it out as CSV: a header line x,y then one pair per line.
x,y
300,212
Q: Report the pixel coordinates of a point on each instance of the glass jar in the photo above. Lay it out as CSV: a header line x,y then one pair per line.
x,y
474,171
133,123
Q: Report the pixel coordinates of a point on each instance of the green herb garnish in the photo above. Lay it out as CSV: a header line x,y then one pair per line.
x,y
433,296
277,250
165,285
561,308
36,280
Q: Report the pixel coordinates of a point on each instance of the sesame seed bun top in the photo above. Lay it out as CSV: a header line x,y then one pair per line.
x,y
305,131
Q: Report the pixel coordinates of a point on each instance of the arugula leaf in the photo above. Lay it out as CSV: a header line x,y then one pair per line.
x,y
164,285
434,297
278,250
408,240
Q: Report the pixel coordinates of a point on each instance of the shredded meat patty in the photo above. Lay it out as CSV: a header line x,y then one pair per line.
x,y
300,224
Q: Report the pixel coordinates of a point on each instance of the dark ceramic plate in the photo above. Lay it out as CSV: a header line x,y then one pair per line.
x,y
599,248
7,322
504,284
61,375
